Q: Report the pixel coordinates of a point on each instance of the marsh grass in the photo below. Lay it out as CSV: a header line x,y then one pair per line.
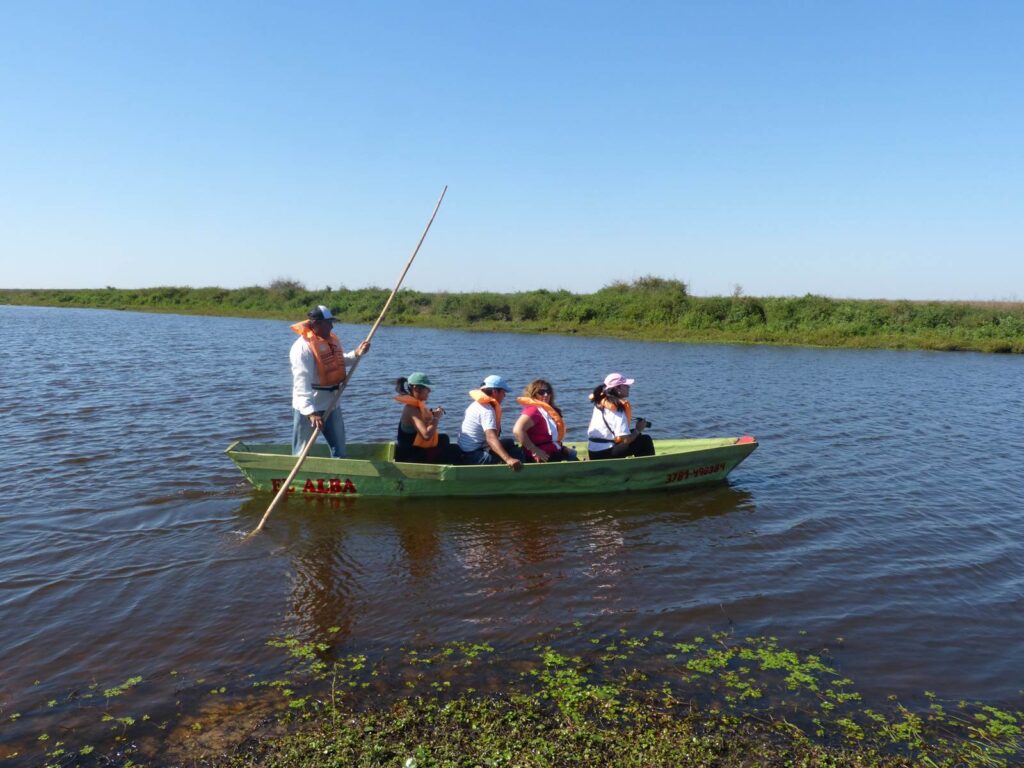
x,y
567,699
648,308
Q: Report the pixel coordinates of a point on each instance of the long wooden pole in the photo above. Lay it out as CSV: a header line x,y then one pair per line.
x,y
286,485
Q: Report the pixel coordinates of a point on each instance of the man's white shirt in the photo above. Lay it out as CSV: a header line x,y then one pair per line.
x,y
305,399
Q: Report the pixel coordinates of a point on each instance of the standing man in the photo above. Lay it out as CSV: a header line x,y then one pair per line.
x,y
318,371
480,437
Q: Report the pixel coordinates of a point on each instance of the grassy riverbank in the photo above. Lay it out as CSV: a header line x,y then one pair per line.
x,y
649,308
610,700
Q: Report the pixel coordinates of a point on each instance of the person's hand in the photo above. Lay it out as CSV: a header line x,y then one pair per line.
x,y
514,464
363,348
438,412
316,421
540,456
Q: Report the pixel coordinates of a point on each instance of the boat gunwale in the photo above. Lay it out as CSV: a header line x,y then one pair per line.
x,y
667,444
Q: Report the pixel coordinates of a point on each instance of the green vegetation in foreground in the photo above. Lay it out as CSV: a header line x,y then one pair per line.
x,y
649,308
618,700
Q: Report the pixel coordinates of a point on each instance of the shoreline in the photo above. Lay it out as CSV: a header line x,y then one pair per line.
x,y
647,310
565,698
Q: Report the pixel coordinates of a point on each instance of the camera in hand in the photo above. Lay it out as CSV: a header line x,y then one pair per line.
x,y
642,423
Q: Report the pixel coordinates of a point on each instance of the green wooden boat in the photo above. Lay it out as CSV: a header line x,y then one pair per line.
x,y
370,470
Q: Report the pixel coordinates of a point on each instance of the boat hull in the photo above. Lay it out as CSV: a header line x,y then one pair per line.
x,y
370,471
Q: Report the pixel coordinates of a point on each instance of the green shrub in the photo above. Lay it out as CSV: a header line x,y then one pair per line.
x,y
648,307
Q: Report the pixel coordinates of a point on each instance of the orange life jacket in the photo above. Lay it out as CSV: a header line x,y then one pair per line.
x,y
329,356
555,415
609,406
426,415
484,399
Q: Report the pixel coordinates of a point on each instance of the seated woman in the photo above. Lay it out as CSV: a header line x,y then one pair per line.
x,y
539,428
418,439
609,434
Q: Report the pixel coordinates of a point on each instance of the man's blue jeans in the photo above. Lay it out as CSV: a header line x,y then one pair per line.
x,y
334,433
484,455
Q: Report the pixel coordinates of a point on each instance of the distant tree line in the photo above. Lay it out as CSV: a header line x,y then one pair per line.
x,y
649,307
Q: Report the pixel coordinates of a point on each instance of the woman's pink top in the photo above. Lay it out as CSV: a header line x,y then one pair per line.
x,y
540,433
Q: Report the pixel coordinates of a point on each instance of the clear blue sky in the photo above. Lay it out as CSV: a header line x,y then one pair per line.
x,y
862,149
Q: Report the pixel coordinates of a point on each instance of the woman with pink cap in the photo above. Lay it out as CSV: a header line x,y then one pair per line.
x,y
609,435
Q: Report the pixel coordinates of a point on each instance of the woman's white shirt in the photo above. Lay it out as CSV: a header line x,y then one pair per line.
x,y
552,427
617,426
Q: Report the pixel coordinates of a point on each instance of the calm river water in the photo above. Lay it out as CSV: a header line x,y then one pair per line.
x,y
884,507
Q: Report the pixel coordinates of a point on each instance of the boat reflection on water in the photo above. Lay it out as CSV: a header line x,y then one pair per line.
x,y
379,571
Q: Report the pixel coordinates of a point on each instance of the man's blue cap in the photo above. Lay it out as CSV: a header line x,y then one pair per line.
x,y
494,382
